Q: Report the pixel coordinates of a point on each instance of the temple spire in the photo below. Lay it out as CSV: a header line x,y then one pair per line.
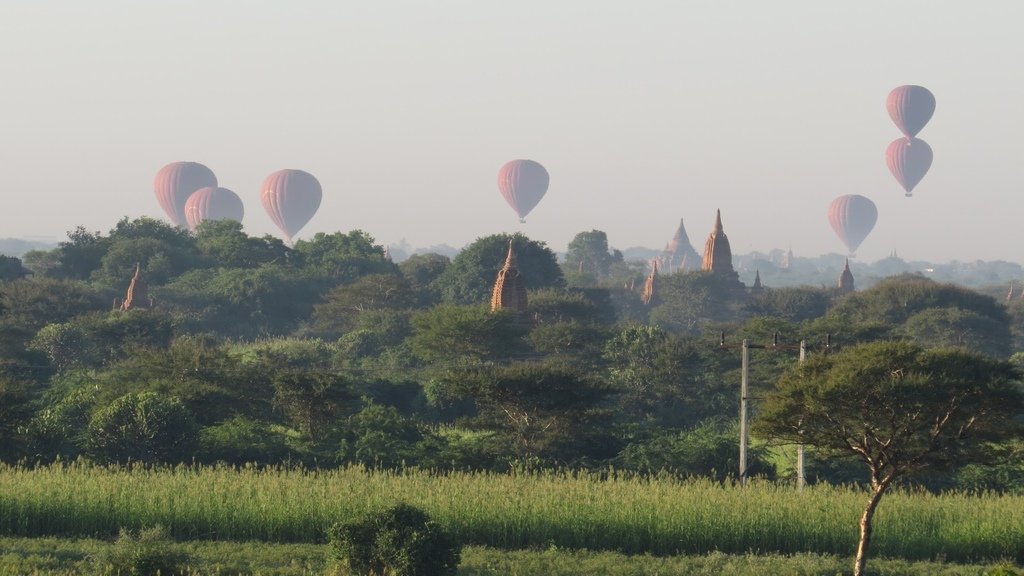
x,y
509,288
757,288
650,285
678,253
846,279
717,252
138,292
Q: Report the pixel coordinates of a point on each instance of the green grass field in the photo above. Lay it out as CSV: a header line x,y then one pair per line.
x,y
623,514
64,557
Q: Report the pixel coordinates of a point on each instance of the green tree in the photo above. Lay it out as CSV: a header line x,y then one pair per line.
x,y
59,429
709,449
223,244
570,322
896,408
146,427
210,381
35,302
658,376
794,304
18,361
401,540
448,333
41,262
340,257
312,401
691,300
17,397
164,251
945,327
269,300
470,277
580,340
80,254
11,268
894,300
588,257
556,305
380,436
240,440
342,305
159,263
421,270
98,338
542,411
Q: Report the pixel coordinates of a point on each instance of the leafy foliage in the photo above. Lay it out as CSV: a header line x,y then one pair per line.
x,y
11,268
544,411
241,440
895,407
340,257
401,540
898,409
379,436
447,333
343,304
690,300
588,260
470,277
146,552
710,449
142,427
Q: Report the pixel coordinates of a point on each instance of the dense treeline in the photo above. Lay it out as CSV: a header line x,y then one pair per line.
x,y
328,353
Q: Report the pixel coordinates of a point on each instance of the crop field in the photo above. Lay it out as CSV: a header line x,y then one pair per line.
x,y
72,557
621,513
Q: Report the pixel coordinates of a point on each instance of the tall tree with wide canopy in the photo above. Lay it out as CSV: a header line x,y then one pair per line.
x,y
470,277
340,257
930,313
548,411
588,255
896,408
223,244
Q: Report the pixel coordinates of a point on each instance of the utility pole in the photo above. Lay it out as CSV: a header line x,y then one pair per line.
x,y
745,363
801,479
745,348
744,397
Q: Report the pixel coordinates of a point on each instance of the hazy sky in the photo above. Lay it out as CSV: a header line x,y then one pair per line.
x,y
642,112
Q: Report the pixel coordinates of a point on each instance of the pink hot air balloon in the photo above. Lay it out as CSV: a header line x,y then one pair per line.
x,y
909,160
212,203
522,183
852,217
291,198
910,107
175,182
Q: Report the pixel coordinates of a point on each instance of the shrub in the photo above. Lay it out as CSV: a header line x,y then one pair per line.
x,y
144,427
399,541
241,440
147,553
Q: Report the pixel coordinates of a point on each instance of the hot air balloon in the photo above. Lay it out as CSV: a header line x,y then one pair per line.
x,y
909,160
852,217
910,107
212,203
523,183
291,198
177,181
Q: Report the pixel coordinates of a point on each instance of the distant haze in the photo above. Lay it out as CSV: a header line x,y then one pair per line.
x,y
642,112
